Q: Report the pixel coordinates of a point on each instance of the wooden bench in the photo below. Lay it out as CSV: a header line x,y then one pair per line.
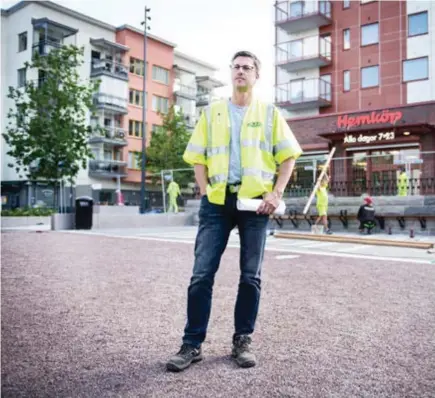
x,y
296,218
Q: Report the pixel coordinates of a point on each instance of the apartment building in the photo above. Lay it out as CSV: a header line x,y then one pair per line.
x,y
359,76
194,86
114,55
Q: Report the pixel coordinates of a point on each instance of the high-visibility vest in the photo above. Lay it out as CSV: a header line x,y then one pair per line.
x,y
403,185
265,140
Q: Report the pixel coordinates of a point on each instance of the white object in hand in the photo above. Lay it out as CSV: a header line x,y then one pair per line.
x,y
254,204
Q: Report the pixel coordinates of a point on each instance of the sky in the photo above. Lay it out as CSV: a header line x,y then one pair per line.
x,y
209,30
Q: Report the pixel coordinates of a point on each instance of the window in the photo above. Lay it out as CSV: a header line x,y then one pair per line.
x,y
346,3
136,66
325,87
370,76
160,104
346,39
415,69
22,42
296,90
134,128
296,9
346,80
21,77
370,34
160,74
136,97
133,160
417,24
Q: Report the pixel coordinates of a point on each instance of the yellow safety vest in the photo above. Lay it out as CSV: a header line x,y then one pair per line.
x,y
265,140
403,185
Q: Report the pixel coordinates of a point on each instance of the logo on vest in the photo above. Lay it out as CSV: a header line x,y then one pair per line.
x,y
254,124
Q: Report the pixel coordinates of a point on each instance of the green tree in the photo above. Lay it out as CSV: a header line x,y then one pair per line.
x,y
48,131
167,146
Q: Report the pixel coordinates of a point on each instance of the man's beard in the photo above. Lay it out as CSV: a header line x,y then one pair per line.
x,y
242,89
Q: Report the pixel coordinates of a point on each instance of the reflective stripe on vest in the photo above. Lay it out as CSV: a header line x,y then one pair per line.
x,y
282,145
207,113
218,178
219,150
268,127
196,148
258,173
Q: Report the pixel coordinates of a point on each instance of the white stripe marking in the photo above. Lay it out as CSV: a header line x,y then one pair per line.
x,y
286,256
283,250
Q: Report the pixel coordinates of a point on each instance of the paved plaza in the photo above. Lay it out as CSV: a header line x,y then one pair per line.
x,y
97,313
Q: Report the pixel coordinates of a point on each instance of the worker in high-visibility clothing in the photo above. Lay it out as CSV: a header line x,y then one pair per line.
x,y
402,186
173,192
235,148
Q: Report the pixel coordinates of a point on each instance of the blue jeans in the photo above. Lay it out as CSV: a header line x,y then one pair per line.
x,y
215,225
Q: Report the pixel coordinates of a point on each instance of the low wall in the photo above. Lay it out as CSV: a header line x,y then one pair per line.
x,y
13,222
105,217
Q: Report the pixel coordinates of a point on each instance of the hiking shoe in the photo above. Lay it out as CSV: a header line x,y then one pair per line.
x,y
187,355
241,352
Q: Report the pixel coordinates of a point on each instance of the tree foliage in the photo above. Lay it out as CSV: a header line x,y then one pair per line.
x,y
48,131
167,146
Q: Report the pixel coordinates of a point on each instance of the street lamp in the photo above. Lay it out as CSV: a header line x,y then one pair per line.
x,y
143,206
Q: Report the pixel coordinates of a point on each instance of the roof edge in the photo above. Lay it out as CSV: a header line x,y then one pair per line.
x,y
151,36
58,7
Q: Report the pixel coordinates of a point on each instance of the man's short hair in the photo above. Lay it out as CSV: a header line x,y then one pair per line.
x,y
248,54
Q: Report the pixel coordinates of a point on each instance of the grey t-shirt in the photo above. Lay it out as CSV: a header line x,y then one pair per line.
x,y
237,113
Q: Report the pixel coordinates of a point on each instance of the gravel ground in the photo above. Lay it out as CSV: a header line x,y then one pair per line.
x,y
90,316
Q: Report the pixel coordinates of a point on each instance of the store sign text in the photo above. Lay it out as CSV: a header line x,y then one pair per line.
x,y
368,139
369,118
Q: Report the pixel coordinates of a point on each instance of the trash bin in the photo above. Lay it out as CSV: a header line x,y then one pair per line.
x,y
84,212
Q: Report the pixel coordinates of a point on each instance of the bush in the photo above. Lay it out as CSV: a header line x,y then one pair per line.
x,y
27,212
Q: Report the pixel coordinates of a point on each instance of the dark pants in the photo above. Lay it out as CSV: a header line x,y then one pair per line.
x,y
366,224
215,225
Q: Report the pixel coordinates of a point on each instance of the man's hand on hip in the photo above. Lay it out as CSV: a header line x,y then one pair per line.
x,y
269,205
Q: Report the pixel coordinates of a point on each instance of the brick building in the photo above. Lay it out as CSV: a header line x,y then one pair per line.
x,y
359,75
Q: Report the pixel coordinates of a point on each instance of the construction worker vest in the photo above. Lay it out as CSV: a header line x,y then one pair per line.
x,y
210,145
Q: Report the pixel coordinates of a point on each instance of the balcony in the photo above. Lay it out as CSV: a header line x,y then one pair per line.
x,y
303,94
111,136
111,103
188,92
203,99
306,53
296,16
100,168
109,68
43,47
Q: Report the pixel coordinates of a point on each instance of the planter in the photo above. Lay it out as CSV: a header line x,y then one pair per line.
x,y
22,221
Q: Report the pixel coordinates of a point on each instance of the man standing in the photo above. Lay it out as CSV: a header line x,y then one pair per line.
x,y
173,192
234,149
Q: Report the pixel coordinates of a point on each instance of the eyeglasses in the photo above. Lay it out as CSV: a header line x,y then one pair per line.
x,y
246,68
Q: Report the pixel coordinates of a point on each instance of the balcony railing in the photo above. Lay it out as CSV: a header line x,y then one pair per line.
x,y
309,52
108,67
185,91
43,47
107,168
302,15
303,94
109,135
203,99
116,104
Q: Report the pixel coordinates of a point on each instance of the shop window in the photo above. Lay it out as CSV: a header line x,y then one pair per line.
x,y
370,76
417,24
415,69
370,34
